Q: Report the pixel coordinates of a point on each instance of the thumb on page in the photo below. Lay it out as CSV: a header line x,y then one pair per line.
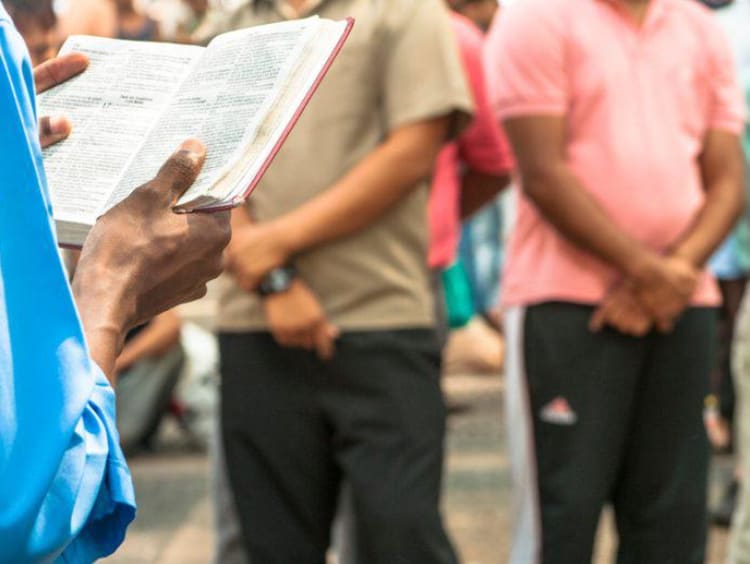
x,y
181,169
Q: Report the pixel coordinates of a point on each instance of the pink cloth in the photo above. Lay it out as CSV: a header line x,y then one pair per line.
x,y
482,147
638,103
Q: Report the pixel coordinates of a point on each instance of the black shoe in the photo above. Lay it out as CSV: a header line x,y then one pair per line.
x,y
722,515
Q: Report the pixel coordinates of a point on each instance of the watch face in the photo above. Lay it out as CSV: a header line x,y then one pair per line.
x,y
277,280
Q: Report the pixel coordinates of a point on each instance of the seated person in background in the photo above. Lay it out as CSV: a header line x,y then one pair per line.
x,y
148,370
65,490
87,17
37,23
178,19
134,24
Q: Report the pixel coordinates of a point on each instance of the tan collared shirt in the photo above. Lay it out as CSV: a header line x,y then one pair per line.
x,y
399,66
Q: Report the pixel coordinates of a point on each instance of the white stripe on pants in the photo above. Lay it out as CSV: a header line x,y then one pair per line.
x,y
526,535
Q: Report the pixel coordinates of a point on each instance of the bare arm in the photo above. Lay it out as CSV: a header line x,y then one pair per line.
x,y
723,172
361,197
141,259
664,285
479,189
547,180
156,339
369,190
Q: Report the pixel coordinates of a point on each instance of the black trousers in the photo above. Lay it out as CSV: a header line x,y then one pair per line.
x,y
293,426
609,419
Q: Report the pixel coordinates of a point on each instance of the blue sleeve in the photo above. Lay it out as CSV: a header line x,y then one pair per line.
x,y
65,490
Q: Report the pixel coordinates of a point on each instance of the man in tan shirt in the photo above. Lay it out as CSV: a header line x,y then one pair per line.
x,y
330,364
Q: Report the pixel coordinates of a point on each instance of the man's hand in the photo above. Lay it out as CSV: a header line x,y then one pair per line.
x,y
658,296
622,311
255,250
141,258
47,75
296,319
665,288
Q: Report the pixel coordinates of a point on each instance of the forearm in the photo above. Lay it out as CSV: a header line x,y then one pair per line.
x,y
104,346
103,322
367,192
154,340
479,189
562,200
723,207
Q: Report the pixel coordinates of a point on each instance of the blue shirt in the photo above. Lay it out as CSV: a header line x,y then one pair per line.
x,y
65,490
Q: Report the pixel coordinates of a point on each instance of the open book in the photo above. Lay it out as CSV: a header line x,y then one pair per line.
x,y
137,101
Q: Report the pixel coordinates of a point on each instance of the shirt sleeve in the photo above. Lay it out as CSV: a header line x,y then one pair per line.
x,y
65,490
422,73
483,146
727,110
525,61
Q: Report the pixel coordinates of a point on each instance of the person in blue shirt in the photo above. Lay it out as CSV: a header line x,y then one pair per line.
x,y
65,490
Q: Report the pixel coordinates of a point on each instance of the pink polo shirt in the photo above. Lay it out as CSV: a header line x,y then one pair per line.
x,y
637,102
482,147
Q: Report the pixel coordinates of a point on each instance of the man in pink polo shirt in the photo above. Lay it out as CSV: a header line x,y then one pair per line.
x,y
625,118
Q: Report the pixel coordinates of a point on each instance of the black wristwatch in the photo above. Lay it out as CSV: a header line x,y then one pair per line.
x,y
277,281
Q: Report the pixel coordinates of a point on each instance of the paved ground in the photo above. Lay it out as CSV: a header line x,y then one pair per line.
x,y
174,524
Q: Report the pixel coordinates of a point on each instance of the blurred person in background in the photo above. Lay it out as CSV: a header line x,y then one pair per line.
x,y
469,172
472,278
733,16
730,264
330,362
625,119
178,20
481,12
37,23
149,369
134,23
87,17
476,345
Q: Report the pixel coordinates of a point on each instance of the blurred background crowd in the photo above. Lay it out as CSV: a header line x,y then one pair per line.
x,y
169,369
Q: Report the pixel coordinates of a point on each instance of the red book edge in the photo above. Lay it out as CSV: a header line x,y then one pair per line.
x,y
290,126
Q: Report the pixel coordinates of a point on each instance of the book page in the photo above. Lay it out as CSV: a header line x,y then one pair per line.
x,y
222,102
315,58
113,105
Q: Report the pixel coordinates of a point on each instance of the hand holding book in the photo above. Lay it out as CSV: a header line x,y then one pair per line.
x,y
240,96
142,259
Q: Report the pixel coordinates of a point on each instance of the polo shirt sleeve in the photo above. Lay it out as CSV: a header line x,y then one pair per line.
x,y
483,146
422,73
525,61
727,104
65,491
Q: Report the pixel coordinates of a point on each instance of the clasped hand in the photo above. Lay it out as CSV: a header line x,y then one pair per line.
x,y
654,298
295,317
255,250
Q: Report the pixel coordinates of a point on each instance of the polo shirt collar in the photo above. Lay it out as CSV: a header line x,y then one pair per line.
x,y
654,13
285,10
